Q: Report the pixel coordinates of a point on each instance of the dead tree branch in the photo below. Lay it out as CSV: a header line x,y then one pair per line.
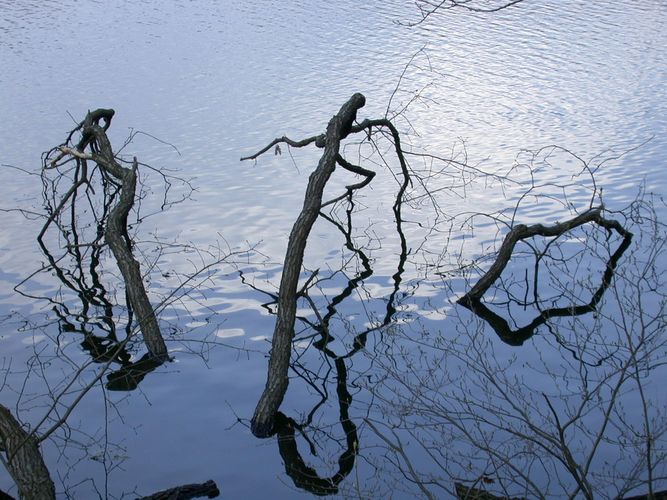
x,y
286,140
95,140
24,461
340,126
522,232
429,7
187,491
517,337
262,424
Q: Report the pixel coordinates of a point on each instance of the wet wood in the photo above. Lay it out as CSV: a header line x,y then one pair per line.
x,y
24,460
522,232
116,230
263,420
208,489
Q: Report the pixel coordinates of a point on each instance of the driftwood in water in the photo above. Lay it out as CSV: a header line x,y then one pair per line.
x,y
472,300
522,232
340,126
93,136
297,468
116,236
24,460
262,424
208,489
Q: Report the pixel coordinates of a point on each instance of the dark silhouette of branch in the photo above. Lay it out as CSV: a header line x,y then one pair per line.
x,y
262,423
128,377
286,140
467,493
303,475
24,461
340,126
306,477
522,232
187,491
95,140
429,7
472,300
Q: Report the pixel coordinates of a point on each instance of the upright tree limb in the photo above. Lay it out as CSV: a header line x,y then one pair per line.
x,y
263,420
25,463
116,236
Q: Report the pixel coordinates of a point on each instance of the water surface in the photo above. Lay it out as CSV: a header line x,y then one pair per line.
x,y
212,83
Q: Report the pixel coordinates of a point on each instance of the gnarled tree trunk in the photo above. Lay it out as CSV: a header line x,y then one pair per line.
x,y
263,420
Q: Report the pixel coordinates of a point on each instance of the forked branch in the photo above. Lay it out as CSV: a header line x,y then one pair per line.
x,y
263,421
522,232
95,146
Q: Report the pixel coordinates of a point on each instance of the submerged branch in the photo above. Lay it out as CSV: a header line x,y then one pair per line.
x,y
340,126
187,491
522,232
263,420
93,137
24,463
116,236
517,337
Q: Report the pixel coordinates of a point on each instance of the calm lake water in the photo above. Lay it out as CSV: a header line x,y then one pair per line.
x,y
206,83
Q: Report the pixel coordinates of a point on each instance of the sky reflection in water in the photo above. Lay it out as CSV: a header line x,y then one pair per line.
x,y
220,81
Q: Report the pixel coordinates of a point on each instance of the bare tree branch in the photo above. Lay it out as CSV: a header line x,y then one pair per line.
x,y
262,424
24,461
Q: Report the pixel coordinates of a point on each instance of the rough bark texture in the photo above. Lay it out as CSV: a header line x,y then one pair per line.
x,y
263,420
116,234
24,461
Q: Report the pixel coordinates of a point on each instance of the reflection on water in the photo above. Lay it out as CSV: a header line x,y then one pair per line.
x,y
389,378
543,258
320,335
464,411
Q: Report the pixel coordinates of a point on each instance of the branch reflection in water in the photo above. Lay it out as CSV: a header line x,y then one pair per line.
x,y
450,408
91,216
471,300
318,334
302,475
459,413
338,129
576,411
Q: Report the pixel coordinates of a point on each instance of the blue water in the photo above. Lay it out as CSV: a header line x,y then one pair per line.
x,y
209,83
